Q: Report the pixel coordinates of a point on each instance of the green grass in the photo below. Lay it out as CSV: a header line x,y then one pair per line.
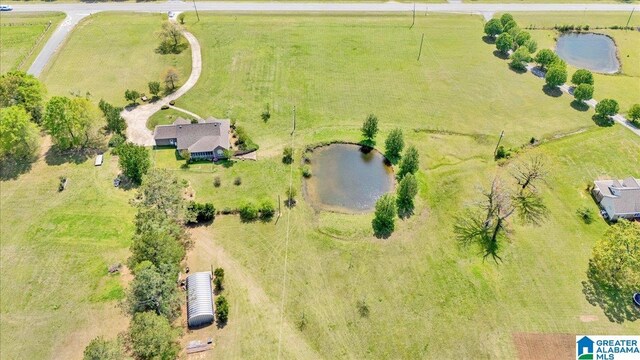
x,y
55,251
23,36
126,58
165,117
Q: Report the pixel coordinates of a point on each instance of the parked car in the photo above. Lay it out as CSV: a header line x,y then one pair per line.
x,y
6,8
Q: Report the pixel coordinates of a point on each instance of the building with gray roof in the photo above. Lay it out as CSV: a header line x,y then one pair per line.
x,y
205,139
199,299
620,199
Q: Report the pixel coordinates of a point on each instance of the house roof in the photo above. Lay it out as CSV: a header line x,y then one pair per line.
x,y
623,195
203,136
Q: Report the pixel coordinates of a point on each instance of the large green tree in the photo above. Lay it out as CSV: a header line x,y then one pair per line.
x,y
102,349
616,257
505,18
556,76
19,137
493,27
406,193
160,190
171,38
504,43
20,88
410,162
370,127
607,107
154,289
384,219
115,122
634,113
72,122
520,58
545,57
583,92
152,337
134,161
394,144
522,38
159,245
582,76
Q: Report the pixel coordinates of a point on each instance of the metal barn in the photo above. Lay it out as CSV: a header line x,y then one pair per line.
x,y
199,299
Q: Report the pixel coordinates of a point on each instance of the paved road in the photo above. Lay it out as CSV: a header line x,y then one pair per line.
x,y
136,118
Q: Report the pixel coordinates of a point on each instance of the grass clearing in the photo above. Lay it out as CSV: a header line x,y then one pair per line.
x,y
23,36
126,58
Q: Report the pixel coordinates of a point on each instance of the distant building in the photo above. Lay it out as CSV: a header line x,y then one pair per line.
x,y
206,139
620,199
199,299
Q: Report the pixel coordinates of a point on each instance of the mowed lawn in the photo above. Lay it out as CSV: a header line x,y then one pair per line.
x,y
109,53
23,36
624,86
55,251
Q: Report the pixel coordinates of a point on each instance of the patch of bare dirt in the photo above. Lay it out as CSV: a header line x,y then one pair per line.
x,y
588,318
533,346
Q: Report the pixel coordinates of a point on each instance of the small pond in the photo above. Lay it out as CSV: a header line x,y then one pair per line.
x,y
594,52
347,179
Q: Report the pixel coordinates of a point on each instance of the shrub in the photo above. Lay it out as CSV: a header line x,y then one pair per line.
x,y
267,210
237,181
248,212
306,171
384,221
634,113
287,155
222,309
244,142
218,279
291,196
586,214
216,181
200,213
502,153
116,140
181,18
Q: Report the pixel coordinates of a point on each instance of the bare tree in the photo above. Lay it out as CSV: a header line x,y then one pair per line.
x,y
171,78
487,225
170,36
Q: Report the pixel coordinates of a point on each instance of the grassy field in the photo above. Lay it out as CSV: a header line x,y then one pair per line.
x,y
126,58
625,86
55,251
23,36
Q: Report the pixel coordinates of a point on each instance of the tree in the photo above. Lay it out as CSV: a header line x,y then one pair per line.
x,y
102,349
154,87
520,58
291,196
634,113
510,25
248,211
505,18
19,137
583,92
407,191
487,224
410,162
171,38
522,38
607,107
267,210
556,76
287,155
582,76
493,28
394,145
131,96
531,45
134,161
171,78
160,190
222,309
616,257
115,122
218,279
72,122
181,18
152,337
504,43
200,213
384,219
370,127
22,89
545,57
154,289
159,244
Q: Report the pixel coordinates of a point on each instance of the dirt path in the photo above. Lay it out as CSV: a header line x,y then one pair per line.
x,y
205,247
137,117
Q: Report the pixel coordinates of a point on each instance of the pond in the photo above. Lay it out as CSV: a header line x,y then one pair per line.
x,y
347,179
590,51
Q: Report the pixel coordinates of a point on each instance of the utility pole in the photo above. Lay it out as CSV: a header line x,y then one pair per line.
x,y
632,10
194,6
414,16
498,144
294,120
421,41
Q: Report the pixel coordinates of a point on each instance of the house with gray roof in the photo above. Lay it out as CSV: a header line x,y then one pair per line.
x,y
620,199
205,139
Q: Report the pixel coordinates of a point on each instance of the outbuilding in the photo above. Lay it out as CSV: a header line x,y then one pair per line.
x,y
99,160
199,299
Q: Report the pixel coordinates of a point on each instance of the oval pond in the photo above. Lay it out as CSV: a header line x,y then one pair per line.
x,y
590,51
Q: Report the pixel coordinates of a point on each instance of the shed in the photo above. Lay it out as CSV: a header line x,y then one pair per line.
x,y
199,299
98,160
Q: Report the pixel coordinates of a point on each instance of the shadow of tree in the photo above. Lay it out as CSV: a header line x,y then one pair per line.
x,y
601,120
489,40
56,156
552,91
617,305
500,55
518,70
11,169
579,105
